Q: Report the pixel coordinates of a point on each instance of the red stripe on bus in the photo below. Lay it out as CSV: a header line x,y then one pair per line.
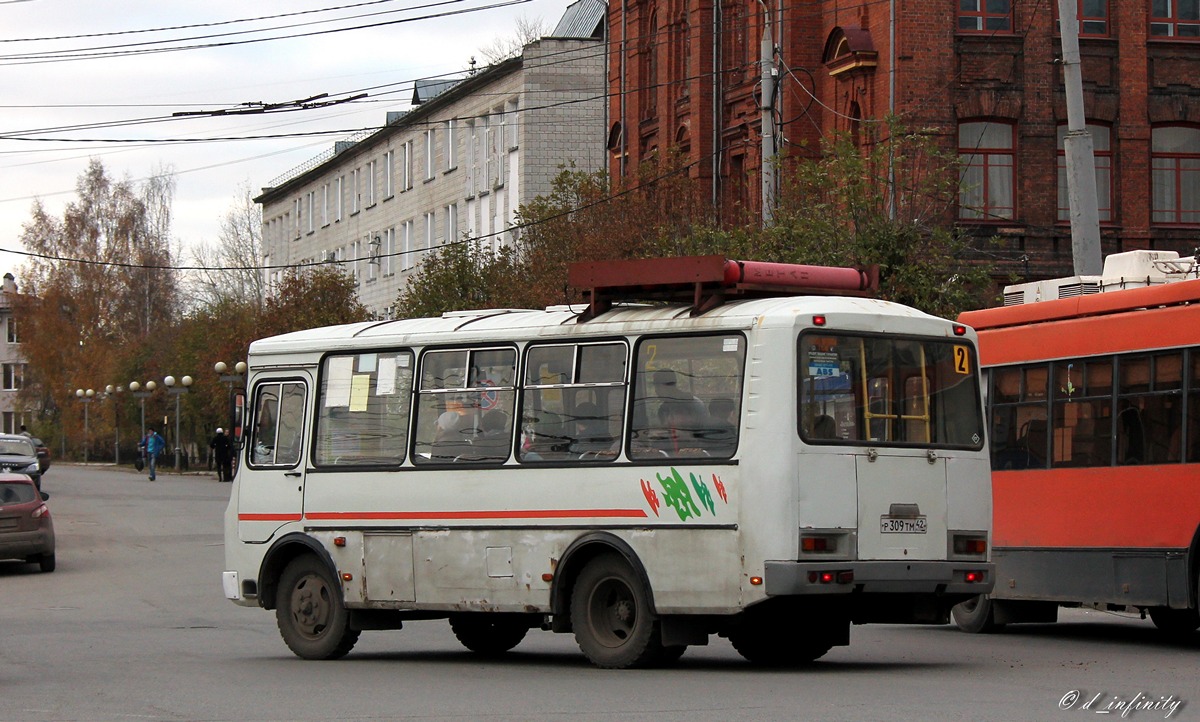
x,y
1112,507
482,514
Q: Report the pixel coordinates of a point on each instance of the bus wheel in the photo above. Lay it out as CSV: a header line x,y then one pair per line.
x,y
1175,621
610,613
311,618
778,647
488,633
976,615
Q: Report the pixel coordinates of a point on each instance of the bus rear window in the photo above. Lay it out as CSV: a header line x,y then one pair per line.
x,y
888,391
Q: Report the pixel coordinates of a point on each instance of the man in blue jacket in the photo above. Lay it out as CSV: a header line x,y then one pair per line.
x,y
153,445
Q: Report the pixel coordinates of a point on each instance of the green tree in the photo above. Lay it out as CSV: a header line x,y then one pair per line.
x,y
886,203
309,298
100,285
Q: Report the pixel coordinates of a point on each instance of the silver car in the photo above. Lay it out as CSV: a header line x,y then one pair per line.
x,y
19,456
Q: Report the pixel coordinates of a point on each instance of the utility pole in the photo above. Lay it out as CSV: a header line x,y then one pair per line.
x,y
1077,146
770,74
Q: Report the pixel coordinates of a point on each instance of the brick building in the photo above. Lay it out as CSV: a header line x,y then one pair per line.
x,y
983,74
457,165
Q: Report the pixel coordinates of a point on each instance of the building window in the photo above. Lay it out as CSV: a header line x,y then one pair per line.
x,y
325,205
337,201
369,180
986,189
510,122
407,251
406,170
372,256
389,170
1102,150
430,156
1175,19
472,158
430,227
310,203
12,330
355,190
450,150
985,16
14,377
1175,174
450,229
389,252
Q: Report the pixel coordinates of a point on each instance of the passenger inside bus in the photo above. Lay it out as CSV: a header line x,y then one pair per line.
x,y
823,427
593,438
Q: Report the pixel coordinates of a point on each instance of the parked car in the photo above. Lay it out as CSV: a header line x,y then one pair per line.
x,y
26,530
43,454
18,455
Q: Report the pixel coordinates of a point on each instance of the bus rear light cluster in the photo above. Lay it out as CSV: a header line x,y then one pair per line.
x,y
960,330
840,577
974,577
818,544
970,545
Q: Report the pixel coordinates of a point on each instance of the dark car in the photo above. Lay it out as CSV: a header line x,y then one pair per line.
x,y
19,456
26,531
43,454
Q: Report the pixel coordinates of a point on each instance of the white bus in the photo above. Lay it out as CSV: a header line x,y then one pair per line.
x,y
767,468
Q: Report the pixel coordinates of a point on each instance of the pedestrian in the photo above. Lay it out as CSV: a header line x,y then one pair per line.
x,y
152,446
221,451
25,431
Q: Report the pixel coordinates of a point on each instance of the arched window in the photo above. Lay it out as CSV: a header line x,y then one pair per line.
x,y
1102,150
1175,174
987,187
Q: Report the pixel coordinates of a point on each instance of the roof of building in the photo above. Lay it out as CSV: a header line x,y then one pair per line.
x,y
582,19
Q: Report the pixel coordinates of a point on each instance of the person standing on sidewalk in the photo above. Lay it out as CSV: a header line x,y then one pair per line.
x,y
221,448
153,445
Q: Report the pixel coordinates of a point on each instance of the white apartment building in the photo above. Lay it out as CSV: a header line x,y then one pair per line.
x,y
12,362
458,165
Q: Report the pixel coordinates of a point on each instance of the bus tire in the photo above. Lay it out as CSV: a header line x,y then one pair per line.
x,y
488,634
1175,621
311,617
778,647
611,616
976,616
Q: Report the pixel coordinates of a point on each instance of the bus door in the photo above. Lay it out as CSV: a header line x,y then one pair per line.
x,y
271,489
901,505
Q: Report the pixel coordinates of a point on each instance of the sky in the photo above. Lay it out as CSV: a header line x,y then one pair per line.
x,y
59,107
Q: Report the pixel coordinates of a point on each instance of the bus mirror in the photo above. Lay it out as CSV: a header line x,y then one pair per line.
x,y
237,415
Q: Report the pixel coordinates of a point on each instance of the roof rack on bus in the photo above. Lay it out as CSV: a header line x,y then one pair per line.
x,y
709,281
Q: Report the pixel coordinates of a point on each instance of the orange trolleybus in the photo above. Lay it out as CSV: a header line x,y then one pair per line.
x,y
1094,407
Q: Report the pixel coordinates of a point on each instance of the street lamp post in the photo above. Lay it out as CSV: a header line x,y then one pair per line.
x,y
229,379
136,389
185,382
86,398
112,391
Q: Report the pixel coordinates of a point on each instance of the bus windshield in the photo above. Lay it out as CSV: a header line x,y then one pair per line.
x,y
888,391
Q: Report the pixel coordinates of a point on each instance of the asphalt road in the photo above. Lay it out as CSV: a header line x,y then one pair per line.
x,y
133,626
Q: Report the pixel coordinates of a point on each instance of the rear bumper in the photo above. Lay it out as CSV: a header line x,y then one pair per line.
x,y
787,578
18,545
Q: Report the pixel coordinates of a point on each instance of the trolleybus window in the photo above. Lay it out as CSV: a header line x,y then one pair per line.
x,y
465,406
687,396
363,409
888,390
573,402
279,424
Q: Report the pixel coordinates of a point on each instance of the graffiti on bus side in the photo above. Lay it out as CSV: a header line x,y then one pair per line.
x,y
677,494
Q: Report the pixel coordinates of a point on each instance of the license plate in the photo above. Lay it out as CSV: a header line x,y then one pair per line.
x,y
902,525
